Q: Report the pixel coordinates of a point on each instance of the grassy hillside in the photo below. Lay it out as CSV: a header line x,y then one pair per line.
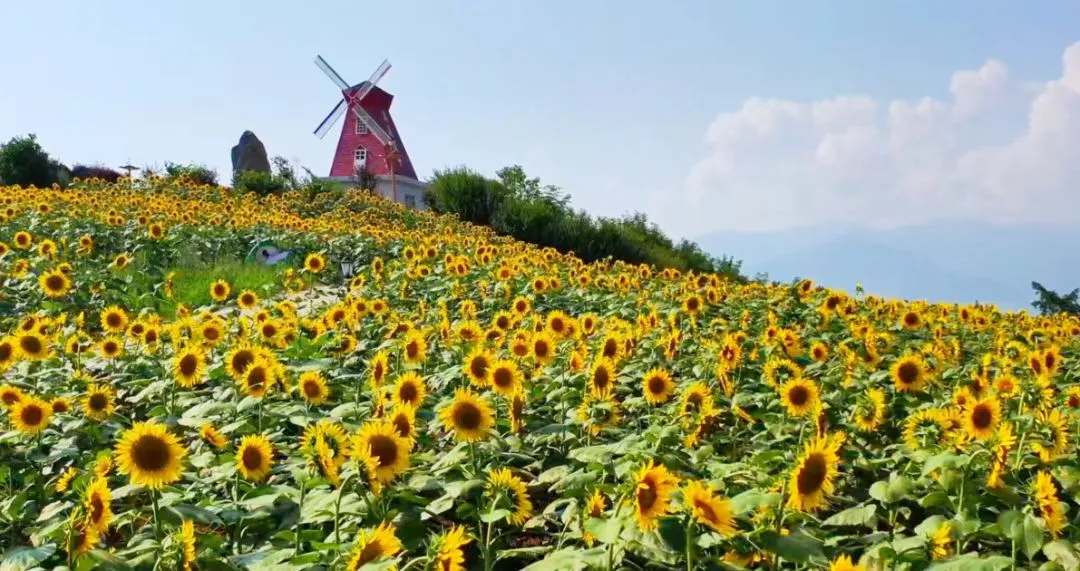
x,y
467,401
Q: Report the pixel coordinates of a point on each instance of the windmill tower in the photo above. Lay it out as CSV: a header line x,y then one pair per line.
x,y
369,139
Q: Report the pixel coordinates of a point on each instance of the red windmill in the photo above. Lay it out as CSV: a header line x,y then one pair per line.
x,y
369,139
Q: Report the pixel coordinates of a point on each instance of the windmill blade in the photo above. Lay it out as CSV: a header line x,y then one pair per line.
x,y
332,118
368,85
375,128
329,71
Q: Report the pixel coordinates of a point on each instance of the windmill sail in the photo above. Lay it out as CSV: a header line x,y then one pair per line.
x,y
332,118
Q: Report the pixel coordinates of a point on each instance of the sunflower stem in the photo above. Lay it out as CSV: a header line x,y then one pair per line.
x,y
689,543
157,520
296,543
337,512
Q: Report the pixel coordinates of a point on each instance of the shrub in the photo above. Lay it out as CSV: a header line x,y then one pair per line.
x,y
261,183
197,174
25,163
524,208
87,172
465,192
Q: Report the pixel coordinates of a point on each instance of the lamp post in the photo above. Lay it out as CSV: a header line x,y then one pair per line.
x,y
129,168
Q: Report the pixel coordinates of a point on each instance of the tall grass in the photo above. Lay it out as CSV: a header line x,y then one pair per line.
x,y
191,285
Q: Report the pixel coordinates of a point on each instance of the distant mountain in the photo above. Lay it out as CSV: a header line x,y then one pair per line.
x,y
959,261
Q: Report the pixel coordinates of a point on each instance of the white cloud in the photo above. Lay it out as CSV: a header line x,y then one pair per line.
x,y
995,149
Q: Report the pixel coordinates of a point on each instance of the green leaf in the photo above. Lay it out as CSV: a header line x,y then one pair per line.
x,y
108,561
570,559
605,530
880,491
494,515
1033,536
934,499
23,558
943,460
1062,553
972,562
523,552
441,504
753,499
795,547
858,515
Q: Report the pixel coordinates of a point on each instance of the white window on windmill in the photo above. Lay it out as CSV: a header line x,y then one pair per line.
x,y
360,157
361,127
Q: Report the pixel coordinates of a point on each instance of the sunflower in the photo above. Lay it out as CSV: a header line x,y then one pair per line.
x,y
32,346
247,299
23,240
542,347
469,416
111,348
10,395
410,389
384,453
372,545
187,545
97,501
81,537
414,347
114,319
478,365
799,396
1050,506
868,416
812,478
908,373
314,263
30,415
258,377
602,377
379,366
313,387
597,412
1006,385
1057,426
1072,398
64,481
8,352
150,455
517,410
213,436
502,485
844,563
220,290
54,283
981,417
594,508
941,541
60,405
212,332
657,386
451,556
653,485
99,402
403,417
238,360
506,378
695,399
189,367
255,457
709,509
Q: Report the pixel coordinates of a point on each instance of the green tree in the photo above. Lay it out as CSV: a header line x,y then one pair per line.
x,y
25,163
1049,301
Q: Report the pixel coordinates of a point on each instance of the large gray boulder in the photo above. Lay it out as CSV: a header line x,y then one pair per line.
x,y
249,154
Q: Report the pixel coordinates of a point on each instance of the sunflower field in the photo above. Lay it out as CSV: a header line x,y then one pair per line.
x,y
410,392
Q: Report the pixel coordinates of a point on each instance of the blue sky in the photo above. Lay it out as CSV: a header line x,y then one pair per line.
x,y
620,103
